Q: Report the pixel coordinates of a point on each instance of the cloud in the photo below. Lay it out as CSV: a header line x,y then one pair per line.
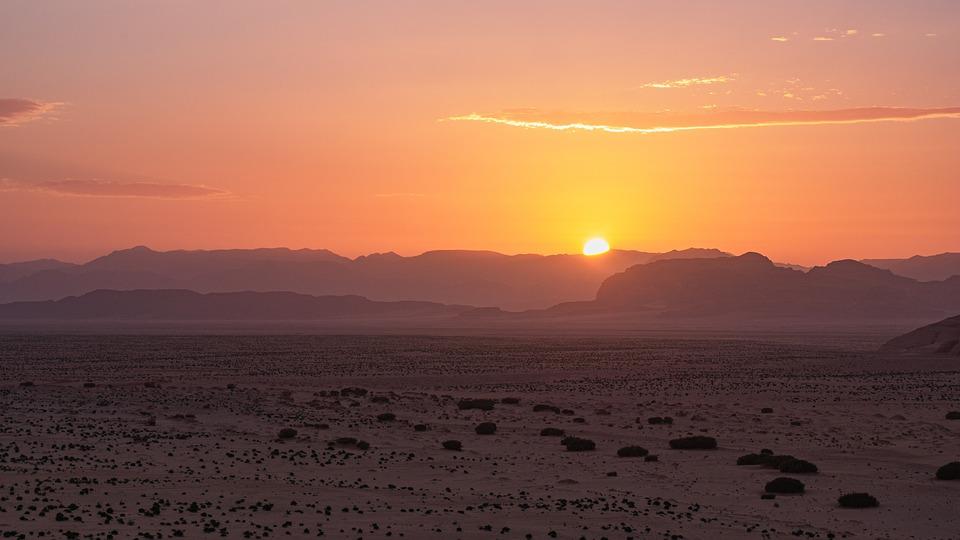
x,y
108,188
692,81
15,111
646,123
780,38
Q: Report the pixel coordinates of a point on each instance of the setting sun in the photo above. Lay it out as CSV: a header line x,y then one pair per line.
x,y
595,246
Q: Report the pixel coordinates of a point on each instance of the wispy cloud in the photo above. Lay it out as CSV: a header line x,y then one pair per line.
x,y
17,111
107,188
692,81
647,123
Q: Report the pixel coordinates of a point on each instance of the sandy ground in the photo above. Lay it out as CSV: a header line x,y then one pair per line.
x,y
160,437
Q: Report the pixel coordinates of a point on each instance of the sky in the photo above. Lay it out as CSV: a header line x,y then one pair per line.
x,y
808,131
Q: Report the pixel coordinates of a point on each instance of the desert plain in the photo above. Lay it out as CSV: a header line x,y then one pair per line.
x,y
342,436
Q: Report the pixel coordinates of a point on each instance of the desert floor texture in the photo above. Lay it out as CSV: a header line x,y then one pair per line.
x,y
165,437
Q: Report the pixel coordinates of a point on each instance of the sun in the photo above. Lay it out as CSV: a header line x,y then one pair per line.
x,y
595,246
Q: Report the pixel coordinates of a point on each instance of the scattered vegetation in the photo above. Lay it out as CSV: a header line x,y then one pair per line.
x,y
950,471
577,444
632,451
784,485
696,442
453,445
546,408
798,466
485,428
480,404
858,500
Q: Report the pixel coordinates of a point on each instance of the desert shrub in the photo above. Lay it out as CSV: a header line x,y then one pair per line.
x,y
766,451
601,412
485,428
287,433
510,401
26,384
353,391
576,444
88,385
453,445
798,466
481,404
546,408
696,442
346,440
950,471
386,417
775,461
651,457
660,420
580,420
858,500
380,399
568,412
766,410
363,445
752,459
551,432
953,415
632,451
784,485
420,427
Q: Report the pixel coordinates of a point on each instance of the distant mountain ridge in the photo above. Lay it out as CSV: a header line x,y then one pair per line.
x,y
920,267
14,271
751,285
481,278
181,305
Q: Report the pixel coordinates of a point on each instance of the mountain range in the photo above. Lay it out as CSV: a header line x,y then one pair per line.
x,y
181,305
920,267
749,287
480,278
752,286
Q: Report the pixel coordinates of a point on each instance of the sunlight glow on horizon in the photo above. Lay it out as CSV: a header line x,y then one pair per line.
x,y
595,246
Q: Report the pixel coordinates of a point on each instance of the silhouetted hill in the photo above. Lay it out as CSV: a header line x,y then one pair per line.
x,y
752,286
482,278
182,305
922,268
941,337
14,271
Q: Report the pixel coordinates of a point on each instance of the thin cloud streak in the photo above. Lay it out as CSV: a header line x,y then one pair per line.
x,y
16,111
692,81
668,123
112,189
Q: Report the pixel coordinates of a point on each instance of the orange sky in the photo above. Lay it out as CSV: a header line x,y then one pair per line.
x,y
409,126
